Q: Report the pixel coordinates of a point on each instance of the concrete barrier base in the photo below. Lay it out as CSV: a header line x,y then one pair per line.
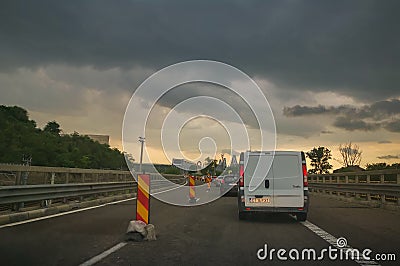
x,y
139,231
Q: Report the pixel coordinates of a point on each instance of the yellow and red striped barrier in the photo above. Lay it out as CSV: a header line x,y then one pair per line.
x,y
192,191
143,198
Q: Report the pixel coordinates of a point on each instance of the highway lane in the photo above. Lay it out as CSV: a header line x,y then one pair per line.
x,y
212,235
65,240
207,235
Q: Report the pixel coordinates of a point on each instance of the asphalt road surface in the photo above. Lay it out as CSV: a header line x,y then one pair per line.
x,y
210,234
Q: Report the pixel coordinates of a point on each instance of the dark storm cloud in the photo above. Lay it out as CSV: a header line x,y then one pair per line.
x,y
299,110
381,114
354,124
226,96
350,47
388,157
378,110
393,126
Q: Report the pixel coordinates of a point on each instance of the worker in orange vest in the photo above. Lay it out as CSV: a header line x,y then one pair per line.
x,y
208,180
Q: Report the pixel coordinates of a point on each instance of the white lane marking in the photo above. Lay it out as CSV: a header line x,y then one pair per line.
x,y
179,186
65,213
114,248
101,256
333,241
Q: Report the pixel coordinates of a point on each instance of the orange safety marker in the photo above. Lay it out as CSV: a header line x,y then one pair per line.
x,y
143,199
192,191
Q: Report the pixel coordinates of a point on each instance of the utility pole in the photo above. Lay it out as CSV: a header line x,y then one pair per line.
x,y
141,140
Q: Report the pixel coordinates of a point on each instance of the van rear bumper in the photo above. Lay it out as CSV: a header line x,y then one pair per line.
x,y
243,208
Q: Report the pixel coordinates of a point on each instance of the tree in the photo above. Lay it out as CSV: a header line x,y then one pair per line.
x,y
320,160
52,127
394,166
351,154
382,166
19,135
376,166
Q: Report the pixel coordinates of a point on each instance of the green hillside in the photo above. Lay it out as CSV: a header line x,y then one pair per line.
x,y
20,136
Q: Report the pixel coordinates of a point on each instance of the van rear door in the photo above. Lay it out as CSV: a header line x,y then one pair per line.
x,y
256,166
288,180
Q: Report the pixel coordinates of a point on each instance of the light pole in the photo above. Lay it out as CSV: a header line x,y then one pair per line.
x,y
141,140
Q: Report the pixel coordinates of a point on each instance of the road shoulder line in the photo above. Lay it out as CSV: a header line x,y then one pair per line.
x,y
103,255
333,241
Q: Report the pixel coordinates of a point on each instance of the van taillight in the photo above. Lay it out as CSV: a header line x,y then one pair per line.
x,y
305,178
241,179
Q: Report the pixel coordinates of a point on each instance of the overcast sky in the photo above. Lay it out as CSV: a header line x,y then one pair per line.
x,y
330,70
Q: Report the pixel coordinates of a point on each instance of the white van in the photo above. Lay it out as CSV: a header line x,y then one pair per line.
x,y
273,181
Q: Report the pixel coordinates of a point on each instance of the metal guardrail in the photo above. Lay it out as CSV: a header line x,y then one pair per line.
x,y
45,169
382,185
60,175
58,183
28,193
43,175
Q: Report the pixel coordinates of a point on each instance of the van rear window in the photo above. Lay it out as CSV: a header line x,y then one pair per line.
x,y
283,166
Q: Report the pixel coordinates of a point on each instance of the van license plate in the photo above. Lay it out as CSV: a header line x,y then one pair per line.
x,y
259,200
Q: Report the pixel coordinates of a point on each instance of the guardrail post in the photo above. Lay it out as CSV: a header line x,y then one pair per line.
x,y
383,198
330,179
317,179
83,181
338,179
357,195
398,179
18,178
346,180
16,206
47,203
368,179
368,197
382,178
66,182
356,180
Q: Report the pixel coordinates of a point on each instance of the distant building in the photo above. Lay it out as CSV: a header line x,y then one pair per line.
x,y
233,161
102,139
